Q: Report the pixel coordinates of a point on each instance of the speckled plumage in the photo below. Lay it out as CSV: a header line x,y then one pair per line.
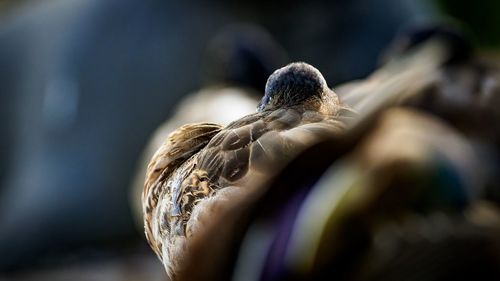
x,y
202,165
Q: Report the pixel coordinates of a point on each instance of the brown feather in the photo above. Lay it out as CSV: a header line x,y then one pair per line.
x,y
179,146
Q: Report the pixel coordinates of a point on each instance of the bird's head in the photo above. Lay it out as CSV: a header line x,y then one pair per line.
x,y
292,85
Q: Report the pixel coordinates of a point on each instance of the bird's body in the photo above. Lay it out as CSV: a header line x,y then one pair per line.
x,y
200,166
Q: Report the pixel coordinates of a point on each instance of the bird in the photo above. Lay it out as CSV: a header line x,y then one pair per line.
x,y
203,166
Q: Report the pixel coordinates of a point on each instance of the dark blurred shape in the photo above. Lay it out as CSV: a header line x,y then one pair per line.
x,y
243,55
413,36
481,17
133,266
436,248
342,38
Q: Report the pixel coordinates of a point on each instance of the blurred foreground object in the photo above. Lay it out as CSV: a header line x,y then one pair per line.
x,y
203,168
394,204
132,266
464,91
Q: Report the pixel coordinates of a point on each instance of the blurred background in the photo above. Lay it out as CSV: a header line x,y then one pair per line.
x,y
85,83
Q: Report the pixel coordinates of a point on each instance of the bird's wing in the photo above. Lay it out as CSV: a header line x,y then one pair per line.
x,y
180,145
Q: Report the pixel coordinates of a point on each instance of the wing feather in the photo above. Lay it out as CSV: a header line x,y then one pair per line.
x,y
180,146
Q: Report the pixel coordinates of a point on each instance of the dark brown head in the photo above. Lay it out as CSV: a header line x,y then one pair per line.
x,y
292,85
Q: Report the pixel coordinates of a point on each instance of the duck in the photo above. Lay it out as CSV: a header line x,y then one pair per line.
x,y
201,167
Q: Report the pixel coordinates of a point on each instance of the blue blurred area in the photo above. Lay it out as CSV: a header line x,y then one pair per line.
x,y
83,83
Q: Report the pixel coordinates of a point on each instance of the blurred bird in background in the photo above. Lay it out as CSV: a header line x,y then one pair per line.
x,y
464,91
